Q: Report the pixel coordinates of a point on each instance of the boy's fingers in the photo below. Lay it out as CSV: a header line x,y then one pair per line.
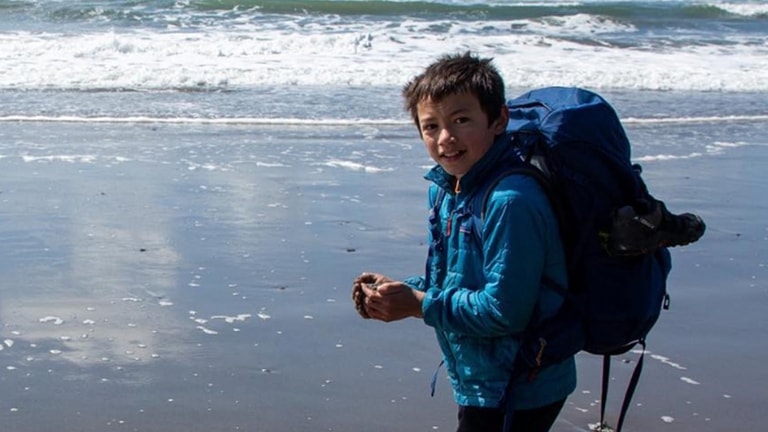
x,y
359,298
367,277
390,288
368,289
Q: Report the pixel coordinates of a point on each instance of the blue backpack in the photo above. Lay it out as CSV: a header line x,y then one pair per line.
x,y
572,141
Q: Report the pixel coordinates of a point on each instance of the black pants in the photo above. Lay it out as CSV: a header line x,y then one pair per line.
x,y
476,419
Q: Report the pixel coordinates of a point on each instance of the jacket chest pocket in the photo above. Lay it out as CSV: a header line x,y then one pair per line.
x,y
465,250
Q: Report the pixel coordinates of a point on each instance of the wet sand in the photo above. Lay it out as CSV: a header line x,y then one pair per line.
x,y
197,278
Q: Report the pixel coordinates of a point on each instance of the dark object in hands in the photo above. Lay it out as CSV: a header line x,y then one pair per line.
x,y
358,295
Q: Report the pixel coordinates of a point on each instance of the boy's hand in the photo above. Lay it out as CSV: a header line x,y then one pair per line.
x,y
370,280
392,301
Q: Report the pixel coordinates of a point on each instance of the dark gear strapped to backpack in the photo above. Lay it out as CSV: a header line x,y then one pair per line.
x,y
615,233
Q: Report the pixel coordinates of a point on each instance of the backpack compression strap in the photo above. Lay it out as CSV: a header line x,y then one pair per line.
x,y
630,388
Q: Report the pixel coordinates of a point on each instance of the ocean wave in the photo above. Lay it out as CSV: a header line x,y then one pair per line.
x,y
694,120
222,45
714,149
216,13
237,121
360,57
744,9
205,121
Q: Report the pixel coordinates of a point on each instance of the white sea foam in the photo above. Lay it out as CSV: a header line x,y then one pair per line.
x,y
668,362
695,120
719,147
689,381
203,121
242,55
667,157
744,9
232,319
62,158
353,166
271,165
207,330
52,319
288,121
132,299
574,25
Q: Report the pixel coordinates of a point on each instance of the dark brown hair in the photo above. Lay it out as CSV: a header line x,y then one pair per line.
x,y
455,74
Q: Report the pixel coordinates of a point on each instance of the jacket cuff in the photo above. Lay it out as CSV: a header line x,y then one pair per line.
x,y
430,308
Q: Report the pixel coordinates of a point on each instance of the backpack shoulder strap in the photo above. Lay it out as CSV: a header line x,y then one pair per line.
x,y
480,201
525,169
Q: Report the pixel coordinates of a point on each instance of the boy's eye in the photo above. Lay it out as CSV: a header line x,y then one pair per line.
x,y
461,120
426,127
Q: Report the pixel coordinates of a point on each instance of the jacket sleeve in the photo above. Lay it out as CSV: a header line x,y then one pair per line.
x,y
516,236
416,282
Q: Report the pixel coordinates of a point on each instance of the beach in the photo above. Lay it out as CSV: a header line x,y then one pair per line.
x,y
189,188
185,277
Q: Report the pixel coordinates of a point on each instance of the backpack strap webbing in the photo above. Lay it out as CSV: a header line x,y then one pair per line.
x,y
604,393
631,387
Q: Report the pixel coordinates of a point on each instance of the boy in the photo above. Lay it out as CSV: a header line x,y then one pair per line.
x,y
479,297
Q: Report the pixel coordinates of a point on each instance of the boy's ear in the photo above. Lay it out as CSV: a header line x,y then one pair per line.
x,y
500,125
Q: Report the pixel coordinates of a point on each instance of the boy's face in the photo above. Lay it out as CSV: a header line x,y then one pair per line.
x,y
456,132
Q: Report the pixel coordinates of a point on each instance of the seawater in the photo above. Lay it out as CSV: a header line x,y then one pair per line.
x,y
187,45
308,64
337,60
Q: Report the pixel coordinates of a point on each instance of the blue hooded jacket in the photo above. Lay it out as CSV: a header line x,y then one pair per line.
x,y
480,297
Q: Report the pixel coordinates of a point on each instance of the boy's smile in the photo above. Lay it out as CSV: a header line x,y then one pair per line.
x,y
456,132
